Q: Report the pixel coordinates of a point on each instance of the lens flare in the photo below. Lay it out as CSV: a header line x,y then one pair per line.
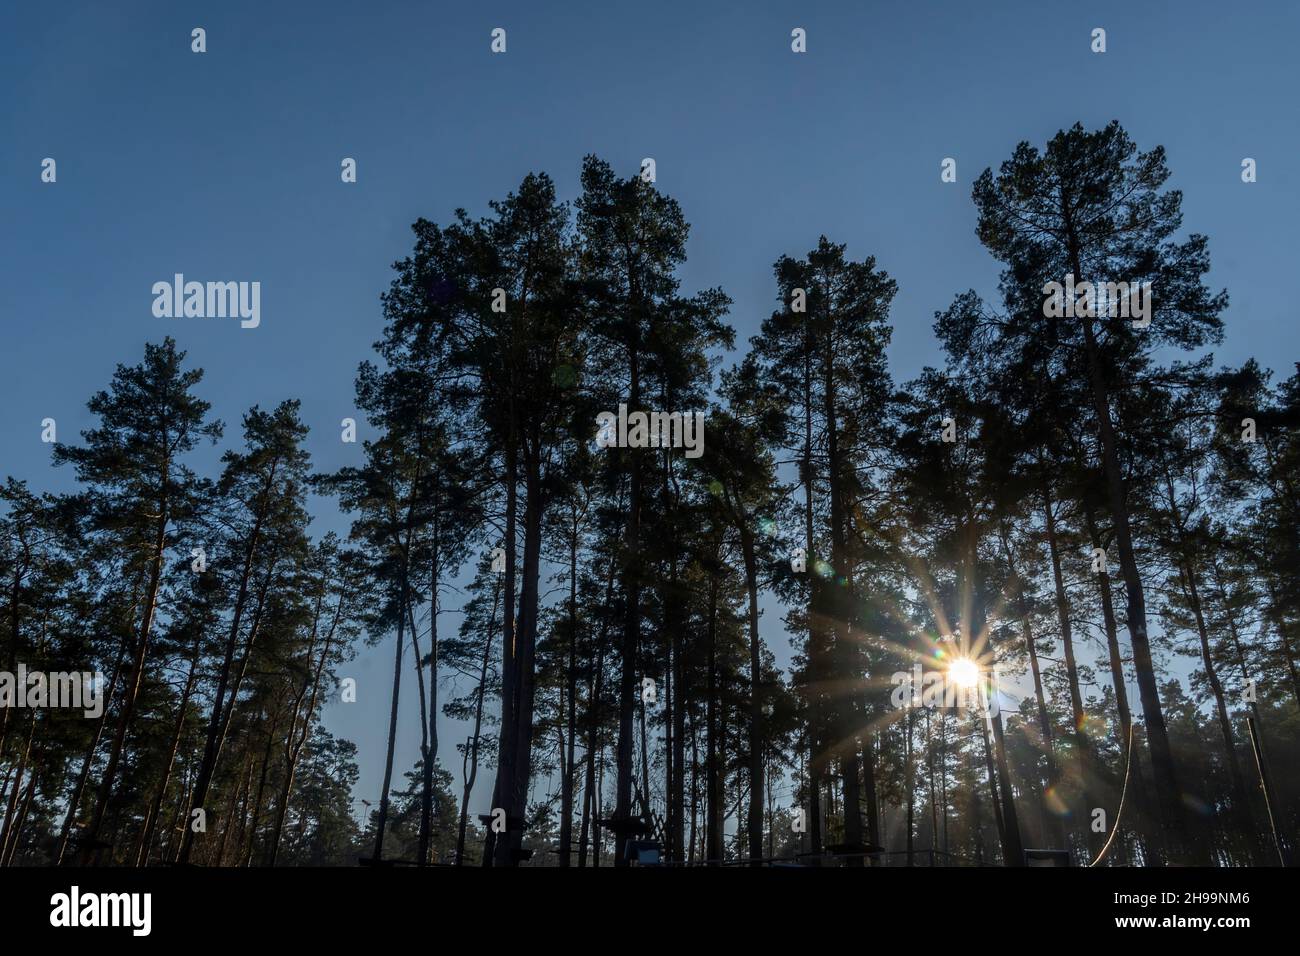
x,y
964,673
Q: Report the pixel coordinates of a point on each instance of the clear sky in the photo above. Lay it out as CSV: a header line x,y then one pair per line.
x,y
225,166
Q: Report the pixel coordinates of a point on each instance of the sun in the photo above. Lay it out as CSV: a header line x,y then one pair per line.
x,y
964,672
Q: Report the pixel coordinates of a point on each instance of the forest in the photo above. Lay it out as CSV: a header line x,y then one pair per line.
x,y
659,657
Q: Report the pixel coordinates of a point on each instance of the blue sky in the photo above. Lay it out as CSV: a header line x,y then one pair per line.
x,y
225,166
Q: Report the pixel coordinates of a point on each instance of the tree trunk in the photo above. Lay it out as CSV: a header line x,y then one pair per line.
x,y
216,736
151,816
428,706
756,721
1063,613
567,780
9,831
1241,802
1168,791
713,773
1262,759
472,756
631,636
526,637
131,690
911,787
681,702
258,798
381,822
869,784
843,647
815,664
504,785
1087,762
74,800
